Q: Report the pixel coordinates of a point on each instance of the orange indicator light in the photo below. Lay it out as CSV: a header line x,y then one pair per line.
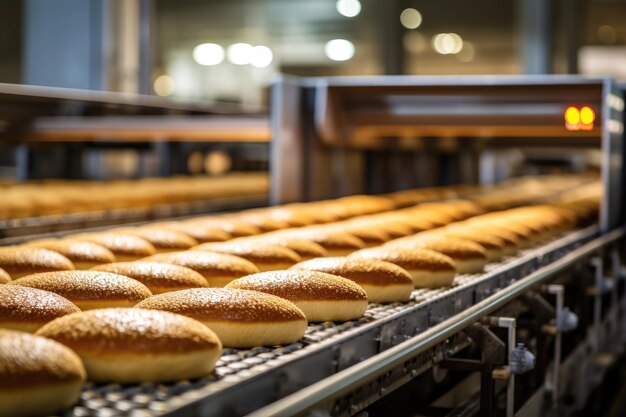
x,y
587,115
579,119
572,116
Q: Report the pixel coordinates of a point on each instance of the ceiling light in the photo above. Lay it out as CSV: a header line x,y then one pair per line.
x,y
349,8
447,43
411,18
164,85
208,54
262,56
239,53
339,50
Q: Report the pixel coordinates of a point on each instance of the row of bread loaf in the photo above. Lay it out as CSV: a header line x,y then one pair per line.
x,y
64,197
421,247
53,197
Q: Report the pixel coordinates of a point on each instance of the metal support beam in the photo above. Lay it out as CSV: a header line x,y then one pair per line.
x,y
64,43
536,38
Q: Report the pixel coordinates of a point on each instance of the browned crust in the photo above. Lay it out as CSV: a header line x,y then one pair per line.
x,y
301,285
410,259
258,252
330,240
487,241
157,274
363,271
76,250
304,248
370,236
4,276
395,229
293,216
265,223
164,238
225,304
509,238
21,260
25,304
113,331
453,247
119,244
233,227
29,361
209,264
87,285
200,233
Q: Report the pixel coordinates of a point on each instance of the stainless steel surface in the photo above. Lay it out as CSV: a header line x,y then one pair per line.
x,y
613,170
150,129
47,98
286,150
361,373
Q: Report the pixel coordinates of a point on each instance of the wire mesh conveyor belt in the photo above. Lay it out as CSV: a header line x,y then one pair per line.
x,y
245,380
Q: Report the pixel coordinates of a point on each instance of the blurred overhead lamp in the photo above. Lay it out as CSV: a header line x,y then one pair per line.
x,y
164,85
262,56
239,53
447,43
349,8
208,54
411,18
339,50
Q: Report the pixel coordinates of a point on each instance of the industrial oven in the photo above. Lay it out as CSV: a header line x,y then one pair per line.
x,y
520,339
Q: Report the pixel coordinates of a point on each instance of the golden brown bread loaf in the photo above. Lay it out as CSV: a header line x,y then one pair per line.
x,y
495,247
306,249
158,277
84,255
321,296
468,257
230,225
89,289
265,256
522,235
200,233
240,318
429,269
394,228
38,376
135,345
371,236
264,223
27,309
383,282
416,223
21,261
124,247
163,240
358,205
217,268
294,217
335,243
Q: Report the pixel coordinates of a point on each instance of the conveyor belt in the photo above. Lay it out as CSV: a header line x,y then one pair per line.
x,y
245,380
17,230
